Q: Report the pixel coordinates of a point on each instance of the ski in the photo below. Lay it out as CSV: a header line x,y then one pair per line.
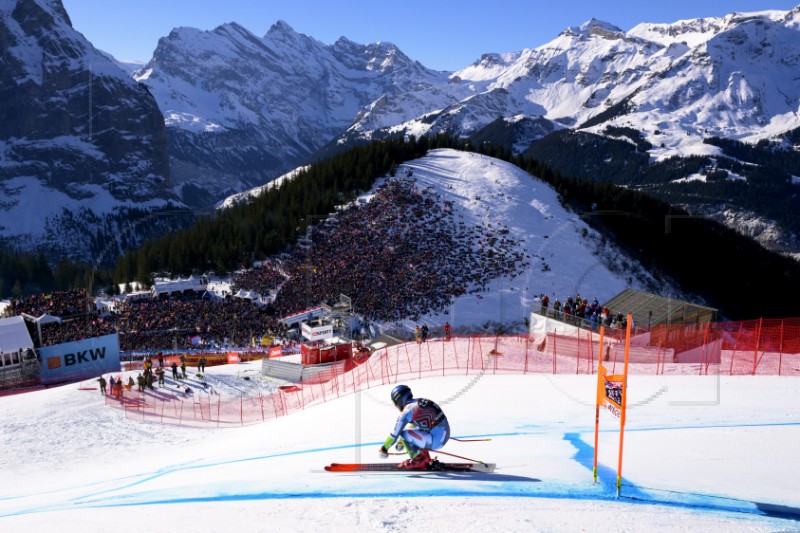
x,y
435,466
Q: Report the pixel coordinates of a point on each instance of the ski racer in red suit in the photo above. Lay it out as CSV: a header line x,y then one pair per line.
x,y
421,426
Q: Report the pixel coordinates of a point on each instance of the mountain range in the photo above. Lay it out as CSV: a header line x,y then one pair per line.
x,y
216,113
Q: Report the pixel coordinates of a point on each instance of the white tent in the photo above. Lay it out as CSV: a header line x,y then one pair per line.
x,y
14,335
167,286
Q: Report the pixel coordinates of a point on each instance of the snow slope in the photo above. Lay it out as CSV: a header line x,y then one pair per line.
x,y
565,255
701,453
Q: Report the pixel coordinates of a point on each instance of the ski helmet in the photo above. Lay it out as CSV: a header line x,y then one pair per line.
x,y
401,395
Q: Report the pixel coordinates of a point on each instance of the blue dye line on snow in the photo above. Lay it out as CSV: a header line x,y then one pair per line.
x,y
761,509
585,457
172,470
511,489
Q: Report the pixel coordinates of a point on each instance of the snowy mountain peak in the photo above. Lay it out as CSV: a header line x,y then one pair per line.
x,y
792,18
281,33
733,19
491,61
281,26
233,29
386,57
52,10
689,32
380,56
595,27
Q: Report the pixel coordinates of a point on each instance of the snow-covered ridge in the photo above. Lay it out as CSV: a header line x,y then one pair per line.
x,y
731,76
255,192
728,76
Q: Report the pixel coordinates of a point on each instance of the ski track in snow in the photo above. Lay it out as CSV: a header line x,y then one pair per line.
x,y
101,494
67,469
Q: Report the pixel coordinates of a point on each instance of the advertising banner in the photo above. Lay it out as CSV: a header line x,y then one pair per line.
x,y
318,333
73,361
609,391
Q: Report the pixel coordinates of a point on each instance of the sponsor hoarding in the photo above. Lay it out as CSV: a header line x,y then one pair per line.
x,y
318,333
72,361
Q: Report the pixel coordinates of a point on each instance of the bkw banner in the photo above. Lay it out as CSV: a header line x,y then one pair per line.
x,y
72,361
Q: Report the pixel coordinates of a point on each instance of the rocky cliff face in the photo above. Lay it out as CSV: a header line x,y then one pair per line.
x,y
83,148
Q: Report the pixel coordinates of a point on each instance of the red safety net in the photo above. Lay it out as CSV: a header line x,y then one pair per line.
x,y
764,347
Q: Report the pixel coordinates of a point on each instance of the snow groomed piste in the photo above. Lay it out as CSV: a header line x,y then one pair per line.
x,y
478,359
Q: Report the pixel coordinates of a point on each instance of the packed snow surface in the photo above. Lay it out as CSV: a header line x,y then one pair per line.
x,y
705,453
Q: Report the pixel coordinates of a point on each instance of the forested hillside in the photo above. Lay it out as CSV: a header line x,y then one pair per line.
x,y
727,270
755,179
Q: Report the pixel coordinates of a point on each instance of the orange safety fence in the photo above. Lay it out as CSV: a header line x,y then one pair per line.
x,y
756,347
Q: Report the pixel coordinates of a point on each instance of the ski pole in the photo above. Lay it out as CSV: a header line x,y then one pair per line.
x,y
459,456
469,440
445,453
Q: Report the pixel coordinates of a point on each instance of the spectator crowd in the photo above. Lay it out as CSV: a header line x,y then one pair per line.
x,y
181,321
581,312
262,280
60,303
405,253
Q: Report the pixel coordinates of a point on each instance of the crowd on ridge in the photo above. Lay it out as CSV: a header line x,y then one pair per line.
x,y
262,280
58,303
404,254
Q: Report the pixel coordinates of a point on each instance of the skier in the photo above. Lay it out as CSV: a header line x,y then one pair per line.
x,y
421,426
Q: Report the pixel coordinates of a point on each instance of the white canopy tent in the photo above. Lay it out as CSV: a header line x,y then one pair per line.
x,y
14,341
167,286
14,335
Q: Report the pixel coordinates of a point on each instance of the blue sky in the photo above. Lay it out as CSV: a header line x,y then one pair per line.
x,y
441,34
